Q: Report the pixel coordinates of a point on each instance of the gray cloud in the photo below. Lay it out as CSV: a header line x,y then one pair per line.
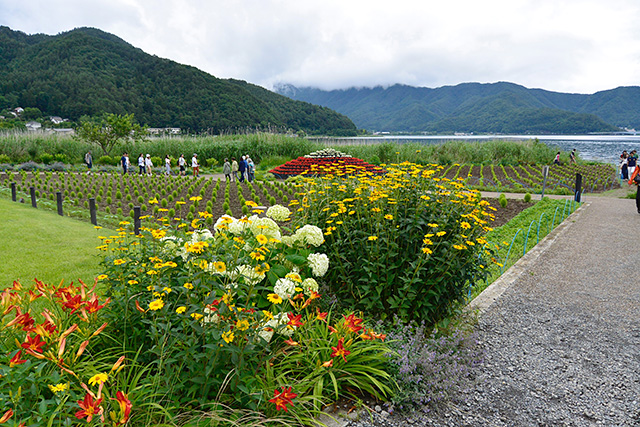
x,y
570,46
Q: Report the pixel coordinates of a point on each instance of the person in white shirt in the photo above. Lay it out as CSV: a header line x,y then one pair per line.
x,y
183,164
167,165
195,166
141,165
148,164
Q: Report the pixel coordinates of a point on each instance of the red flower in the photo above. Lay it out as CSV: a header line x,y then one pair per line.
x,y
352,323
340,350
7,414
321,315
283,398
33,344
93,306
125,406
294,320
89,407
75,303
15,360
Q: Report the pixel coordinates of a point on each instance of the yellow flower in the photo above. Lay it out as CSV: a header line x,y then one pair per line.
x,y
372,238
267,314
118,262
227,336
220,266
388,216
98,379
295,277
432,225
465,225
158,234
153,201
156,304
251,203
227,298
274,298
58,387
197,316
427,251
97,227
181,309
152,272
257,256
188,285
203,264
262,239
242,324
132,282
194,223
441,233
262,268
167,290
102,277
195,198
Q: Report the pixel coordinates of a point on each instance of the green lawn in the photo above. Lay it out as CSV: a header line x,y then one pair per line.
x,y
35,243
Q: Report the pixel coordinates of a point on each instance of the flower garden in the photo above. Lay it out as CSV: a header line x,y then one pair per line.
x,y
254,309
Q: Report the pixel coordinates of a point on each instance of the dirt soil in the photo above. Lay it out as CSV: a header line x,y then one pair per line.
x,y
504,215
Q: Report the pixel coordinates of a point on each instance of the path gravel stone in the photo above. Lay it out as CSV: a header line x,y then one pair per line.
x,y
562,342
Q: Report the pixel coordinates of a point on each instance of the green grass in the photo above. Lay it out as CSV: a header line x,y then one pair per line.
x,y
545,214
40,244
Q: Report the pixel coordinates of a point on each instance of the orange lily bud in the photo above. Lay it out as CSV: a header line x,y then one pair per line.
x,y
63,343
328,364
117,364
100,329
69,331
83,346
140,309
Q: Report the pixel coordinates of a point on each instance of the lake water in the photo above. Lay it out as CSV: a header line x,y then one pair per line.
x,y
603,148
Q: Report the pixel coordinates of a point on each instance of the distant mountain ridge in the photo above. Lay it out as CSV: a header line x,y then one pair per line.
x,y
87,71
501,107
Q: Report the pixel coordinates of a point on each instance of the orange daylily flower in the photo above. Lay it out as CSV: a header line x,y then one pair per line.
x,y
352,323
125,406
283,398
340,350
89,407
7,414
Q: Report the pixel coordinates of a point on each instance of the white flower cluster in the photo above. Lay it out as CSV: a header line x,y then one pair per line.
x,y
234,226
277,324
278,213
210,316
247,272
265,226
284,288
201,236
308,235
319,264
327,152
309,285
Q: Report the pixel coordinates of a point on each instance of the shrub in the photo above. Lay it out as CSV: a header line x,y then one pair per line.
x,y
527,197
211,163
402,244
231,323
502,199
46,158
4,159
28,166
105,161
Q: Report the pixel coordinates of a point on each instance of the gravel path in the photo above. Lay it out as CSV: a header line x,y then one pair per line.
x,y
562,342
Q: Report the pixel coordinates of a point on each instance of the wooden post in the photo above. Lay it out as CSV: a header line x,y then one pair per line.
x,y
545,173
92,210
136,220
578,187
59,202
32,191
13,191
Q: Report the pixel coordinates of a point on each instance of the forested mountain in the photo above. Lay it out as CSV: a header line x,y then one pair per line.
x,y
481,108
88,72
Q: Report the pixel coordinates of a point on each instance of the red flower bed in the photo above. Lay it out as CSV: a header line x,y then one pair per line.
x,y
323,165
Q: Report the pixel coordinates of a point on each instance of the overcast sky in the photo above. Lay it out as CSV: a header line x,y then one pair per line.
x,y
579,46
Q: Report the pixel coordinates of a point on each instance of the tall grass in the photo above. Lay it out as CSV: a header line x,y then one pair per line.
x,y
21,147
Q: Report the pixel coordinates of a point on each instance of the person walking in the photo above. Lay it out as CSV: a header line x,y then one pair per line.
x,y
634,179
195,165
242,167
624,169
234,169
141,165
182,163
88,159
251,169
148,164
167,165
226,169
632,160
572,156
124,162
556,161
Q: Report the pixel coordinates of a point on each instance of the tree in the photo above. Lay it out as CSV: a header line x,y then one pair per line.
x,y
110,130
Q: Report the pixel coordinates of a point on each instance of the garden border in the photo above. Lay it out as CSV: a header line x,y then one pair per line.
x,y
491,294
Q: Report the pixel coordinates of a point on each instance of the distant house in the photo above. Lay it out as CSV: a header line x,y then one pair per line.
x,y
18,110
163,131
56,120
33,125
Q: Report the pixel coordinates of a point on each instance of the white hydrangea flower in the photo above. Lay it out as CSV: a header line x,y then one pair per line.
x,y
309,234
210,316
237,227
223,220
172,245
278,213
309,285
265,226
285,288
247,272
201,235
266,334
319,264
